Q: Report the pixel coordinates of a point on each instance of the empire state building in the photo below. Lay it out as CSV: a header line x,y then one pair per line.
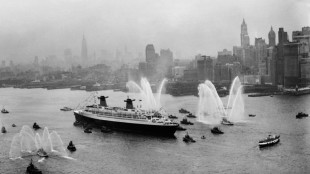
x,y
84,49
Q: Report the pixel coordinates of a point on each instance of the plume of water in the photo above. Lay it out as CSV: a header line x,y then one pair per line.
x,y
57,144
237,112
209,111
210,106
144,89
15,150
236,84
26,142
46,141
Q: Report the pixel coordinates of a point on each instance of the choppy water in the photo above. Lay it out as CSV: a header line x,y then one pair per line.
x,y
236,151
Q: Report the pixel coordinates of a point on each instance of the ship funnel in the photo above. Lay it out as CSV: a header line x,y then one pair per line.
x,y
103,102
129,104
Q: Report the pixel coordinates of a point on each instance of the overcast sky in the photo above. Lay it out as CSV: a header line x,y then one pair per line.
x,y
187,27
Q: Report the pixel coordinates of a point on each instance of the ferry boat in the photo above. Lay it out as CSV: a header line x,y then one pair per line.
x,y
126,119
270,140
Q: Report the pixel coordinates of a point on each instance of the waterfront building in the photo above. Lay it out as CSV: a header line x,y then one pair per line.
x,y
261,56
190,75
291,64
178,72
150,54
225,52
205,68
279,69
225,56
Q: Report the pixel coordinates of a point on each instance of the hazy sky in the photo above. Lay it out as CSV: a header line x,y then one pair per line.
x,y
187,27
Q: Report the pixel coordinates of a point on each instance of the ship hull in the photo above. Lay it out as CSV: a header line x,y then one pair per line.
x,y
160,130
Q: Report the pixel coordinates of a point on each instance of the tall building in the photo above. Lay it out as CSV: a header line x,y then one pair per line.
x,y
303,38
272,37
245,39
261,56
150,54
279,74
205,68
84,49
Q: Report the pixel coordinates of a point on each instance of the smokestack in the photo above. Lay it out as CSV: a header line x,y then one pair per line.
x,y
129,104
103,101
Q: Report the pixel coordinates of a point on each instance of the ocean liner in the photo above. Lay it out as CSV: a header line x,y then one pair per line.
x,y
126,119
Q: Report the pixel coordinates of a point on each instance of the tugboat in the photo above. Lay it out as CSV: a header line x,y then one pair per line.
x,y
301,115
4,111
186,122
226,122
216,130
31,169
42,153
105,129
66,109
36,126
172,117
252,115
71,147
180,128
190,115
188,139
270,140
3,130
183,111
126,119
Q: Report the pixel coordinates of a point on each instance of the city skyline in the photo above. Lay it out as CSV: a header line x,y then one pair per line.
x,y
186,28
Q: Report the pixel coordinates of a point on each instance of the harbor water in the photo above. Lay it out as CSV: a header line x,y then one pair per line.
x,y
236,151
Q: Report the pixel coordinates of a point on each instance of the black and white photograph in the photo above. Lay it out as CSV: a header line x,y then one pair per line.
x,y
154,86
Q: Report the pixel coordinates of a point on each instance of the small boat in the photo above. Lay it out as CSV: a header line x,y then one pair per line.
x,y
71,147
36,126
203,137
31,169
301,115
183,111
180,128
105,129
252,115
3,130
4,111
172,117
216,130
66,109
226,122
190,115
271,95
270,140
188,139
42,153
87,130
186,122
13,125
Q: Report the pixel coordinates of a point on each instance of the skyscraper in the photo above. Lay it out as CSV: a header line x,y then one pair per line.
x,y
272,37
84,49
150,54
245,39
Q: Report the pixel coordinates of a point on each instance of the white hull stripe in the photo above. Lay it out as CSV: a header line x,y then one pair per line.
x,y
120,120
